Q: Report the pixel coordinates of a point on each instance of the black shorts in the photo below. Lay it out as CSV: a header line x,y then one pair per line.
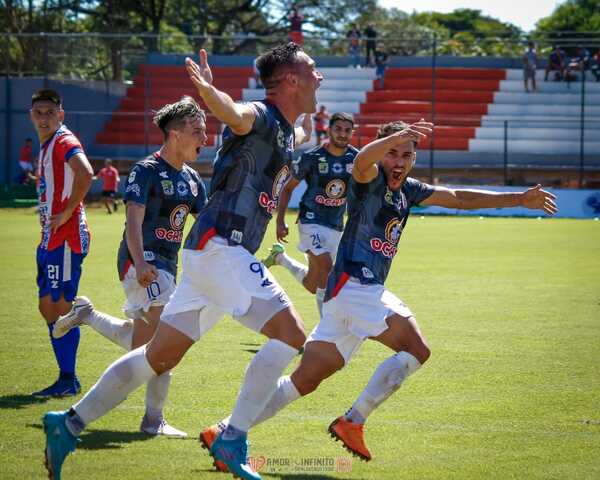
x,y
109,193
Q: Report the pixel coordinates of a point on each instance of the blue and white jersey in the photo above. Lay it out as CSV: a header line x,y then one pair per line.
x,y
327,178
376,219
249,173
168,195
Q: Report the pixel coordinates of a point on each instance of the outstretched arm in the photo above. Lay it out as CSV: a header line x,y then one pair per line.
x,y
238,117
534,198
365,163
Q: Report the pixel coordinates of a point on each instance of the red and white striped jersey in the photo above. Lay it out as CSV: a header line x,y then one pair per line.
x,y
55,183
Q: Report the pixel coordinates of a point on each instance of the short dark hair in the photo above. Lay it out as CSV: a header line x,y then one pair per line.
x,y
342,117
390,128
47,94
173,116
270,63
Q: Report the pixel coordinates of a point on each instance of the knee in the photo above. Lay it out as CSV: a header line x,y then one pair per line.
x,y
162,365
421,352
306,384
295,338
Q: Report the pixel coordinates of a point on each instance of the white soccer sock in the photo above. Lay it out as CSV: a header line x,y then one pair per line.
x,y
122,377
115,329
285,394
320,296
297,269
386,380
260,382
156,395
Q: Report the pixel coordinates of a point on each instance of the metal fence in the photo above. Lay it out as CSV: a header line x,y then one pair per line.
x,y
113,60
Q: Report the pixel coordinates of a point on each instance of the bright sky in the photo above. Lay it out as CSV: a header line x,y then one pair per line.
x,y
523,13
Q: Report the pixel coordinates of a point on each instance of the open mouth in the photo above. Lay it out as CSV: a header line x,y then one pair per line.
x,y
397,173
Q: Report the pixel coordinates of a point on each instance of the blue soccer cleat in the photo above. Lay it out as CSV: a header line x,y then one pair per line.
x,y
59,443
63,387
234,454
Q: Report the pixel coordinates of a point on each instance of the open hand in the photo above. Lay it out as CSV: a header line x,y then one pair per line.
x,y
200,75
537,199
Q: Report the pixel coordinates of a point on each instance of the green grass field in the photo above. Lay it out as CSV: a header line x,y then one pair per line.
x,y
511,310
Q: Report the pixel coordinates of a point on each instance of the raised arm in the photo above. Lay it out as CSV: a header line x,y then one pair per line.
x,y
467,199
365,163
238,117
284,200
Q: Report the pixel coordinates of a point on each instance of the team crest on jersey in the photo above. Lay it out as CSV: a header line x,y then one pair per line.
x,y
337,168
182,188
131,178
178,216
323,165
167,186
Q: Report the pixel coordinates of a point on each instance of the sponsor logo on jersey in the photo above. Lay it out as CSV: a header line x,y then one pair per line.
x,y
237,236
175,236
178,216
182,188
131,178
387,249
400,202
280,138
163,174
265,201
194,188
367,273
349,167
337,168
149,256
310,215
135,188
167,186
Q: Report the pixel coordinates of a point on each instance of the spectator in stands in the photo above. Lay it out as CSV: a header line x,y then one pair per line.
x,y
381,62
371,40
580,62
353,37
320,119
110,182
529,66
296,19
556,61
257,82
595,68
26,162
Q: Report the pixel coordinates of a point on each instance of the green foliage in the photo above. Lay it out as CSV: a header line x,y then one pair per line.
x,y
572,16
510,310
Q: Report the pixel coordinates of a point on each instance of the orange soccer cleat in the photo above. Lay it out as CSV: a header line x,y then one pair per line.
x,y
351,435
207,437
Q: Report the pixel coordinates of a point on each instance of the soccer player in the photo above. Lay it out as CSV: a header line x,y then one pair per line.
x,y
220,271
327,170
64,177
161,191
357,305
110,182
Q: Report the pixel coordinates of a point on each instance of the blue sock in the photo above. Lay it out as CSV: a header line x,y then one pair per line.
x,y
65,351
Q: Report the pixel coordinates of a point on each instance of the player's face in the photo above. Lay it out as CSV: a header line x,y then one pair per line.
x,y
191,139
309,80
397,163
340,133
47,118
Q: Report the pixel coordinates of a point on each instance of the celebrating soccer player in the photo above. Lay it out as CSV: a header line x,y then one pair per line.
x,y
64,177
327,170
161,190
357,305
220,271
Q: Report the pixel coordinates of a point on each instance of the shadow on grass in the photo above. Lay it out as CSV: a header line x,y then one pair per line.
x,y
19,401
105,439
251,350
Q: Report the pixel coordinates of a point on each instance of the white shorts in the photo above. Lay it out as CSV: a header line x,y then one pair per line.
x,y
139,299
318,239
355,314
226,279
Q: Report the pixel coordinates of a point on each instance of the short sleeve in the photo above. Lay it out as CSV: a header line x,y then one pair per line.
x,y
67,146
201,197
262,121
138,185
417,191
301,166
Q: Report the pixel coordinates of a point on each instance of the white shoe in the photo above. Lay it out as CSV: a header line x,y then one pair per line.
x,y
160,427
80,311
